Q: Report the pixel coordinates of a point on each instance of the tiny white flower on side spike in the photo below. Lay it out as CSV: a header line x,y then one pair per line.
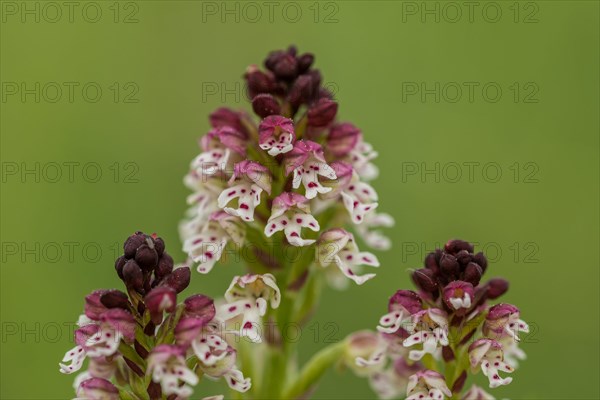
x,y
337,247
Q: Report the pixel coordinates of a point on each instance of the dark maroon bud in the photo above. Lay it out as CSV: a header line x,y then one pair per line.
x,y
449,265
164,267
133,276
496,287
431,261
273,58
305,88
286,67
258,81
265,105
454,246
325,94
459,383
463,257
425,279
200,306
447,353
305,61
115,299
322,113
472,274
146,257
159,245
119,264
480,259
179,279
292,49
132,243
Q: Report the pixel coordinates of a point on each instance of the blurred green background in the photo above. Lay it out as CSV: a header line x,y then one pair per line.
x,y
162,67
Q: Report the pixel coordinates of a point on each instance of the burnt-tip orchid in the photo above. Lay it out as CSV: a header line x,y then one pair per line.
x,y
286,194
447,325
294,169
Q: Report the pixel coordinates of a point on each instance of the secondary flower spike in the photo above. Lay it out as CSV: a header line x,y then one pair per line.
x,y
448,325
291,168
146,345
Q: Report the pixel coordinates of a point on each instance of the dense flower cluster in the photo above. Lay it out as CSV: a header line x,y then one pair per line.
x,y
145,336
296,179
449,324
296,171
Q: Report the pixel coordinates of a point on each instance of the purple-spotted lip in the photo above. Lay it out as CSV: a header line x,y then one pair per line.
x,y
120,320
302,151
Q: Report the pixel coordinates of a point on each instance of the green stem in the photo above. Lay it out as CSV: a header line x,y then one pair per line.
x,y
314,370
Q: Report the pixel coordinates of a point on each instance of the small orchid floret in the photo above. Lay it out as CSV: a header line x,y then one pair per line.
x,y
488,354
430,328
290,213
